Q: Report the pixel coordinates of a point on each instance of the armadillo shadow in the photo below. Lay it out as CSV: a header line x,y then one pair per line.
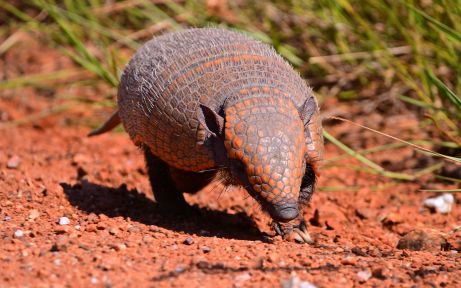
x,y
121,202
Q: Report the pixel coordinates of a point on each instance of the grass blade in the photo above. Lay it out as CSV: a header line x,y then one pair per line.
x,y
87,60
435,23
375,167
441,190
444,90
456,160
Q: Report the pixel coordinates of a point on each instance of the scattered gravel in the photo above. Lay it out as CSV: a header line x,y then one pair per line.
x,y
140,246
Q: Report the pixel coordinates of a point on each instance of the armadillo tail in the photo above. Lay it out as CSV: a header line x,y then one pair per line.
x,y
110,124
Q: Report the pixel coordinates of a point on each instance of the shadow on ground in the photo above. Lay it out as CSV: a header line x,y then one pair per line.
x,y
114,202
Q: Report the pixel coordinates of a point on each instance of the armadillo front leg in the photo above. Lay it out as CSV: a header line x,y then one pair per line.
x,y
165,191
296,229
293,231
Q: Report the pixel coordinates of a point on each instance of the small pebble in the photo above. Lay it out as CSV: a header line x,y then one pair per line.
x,y
147,239
94,280
134,229
13,162
272,258
240,279
442,204
423,240
61,244
84,247
80,159
7,218
18,233
358,251
391,219
91,228
349,261
113,231
119,247
306,284
64,221
100,226
189,241
364,213
295,282
206,249
378,272
364,275
62,229
33,214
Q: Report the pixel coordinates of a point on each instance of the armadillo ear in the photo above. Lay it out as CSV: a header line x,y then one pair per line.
x,y
308,109
210,120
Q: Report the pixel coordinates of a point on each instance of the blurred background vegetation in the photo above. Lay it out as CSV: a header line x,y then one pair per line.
x,y
383,58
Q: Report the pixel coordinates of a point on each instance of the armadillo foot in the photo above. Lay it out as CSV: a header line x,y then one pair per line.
x,y
293,232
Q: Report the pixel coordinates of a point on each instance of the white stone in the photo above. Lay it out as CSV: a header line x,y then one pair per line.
x,y
64,221
364,275
18,233
442,203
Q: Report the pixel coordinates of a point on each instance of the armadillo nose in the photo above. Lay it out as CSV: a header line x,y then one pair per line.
x,y
285,212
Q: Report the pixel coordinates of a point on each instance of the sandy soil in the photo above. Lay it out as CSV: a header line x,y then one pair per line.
x,y
78,212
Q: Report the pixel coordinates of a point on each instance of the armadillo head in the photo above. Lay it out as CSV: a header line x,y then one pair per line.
x,y
266,151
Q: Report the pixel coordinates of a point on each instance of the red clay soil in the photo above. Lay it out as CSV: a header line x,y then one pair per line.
x,y
114,235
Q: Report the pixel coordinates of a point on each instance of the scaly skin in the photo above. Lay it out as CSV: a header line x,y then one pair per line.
x,y
266,135
180,88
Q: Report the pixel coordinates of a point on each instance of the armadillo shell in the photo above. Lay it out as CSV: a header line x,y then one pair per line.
x,y
170,76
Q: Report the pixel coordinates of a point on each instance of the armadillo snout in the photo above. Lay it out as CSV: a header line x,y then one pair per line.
x,y
284,212
267,136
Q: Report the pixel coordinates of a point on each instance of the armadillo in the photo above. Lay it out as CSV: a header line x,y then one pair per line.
x,y
206,102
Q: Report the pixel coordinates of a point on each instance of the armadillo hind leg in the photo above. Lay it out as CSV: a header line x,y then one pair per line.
x,y
166,194
191,182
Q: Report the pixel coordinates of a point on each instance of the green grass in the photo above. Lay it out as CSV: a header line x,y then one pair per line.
x,y
342,47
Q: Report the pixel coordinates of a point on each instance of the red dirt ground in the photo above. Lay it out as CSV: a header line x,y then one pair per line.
x,y
117,237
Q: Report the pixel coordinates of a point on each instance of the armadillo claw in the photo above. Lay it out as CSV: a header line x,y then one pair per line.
x,y
293,233
297,235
